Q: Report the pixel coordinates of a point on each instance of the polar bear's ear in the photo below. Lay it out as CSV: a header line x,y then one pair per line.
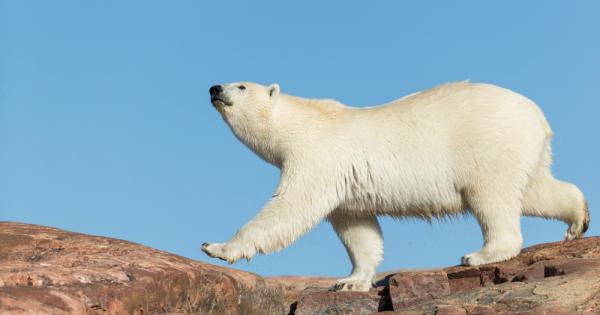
x,y
274,90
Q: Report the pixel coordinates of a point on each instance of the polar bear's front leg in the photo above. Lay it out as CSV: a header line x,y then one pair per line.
x,y
294,209
362,238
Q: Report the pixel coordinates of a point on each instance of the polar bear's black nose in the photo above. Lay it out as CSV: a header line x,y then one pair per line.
x,y
215,89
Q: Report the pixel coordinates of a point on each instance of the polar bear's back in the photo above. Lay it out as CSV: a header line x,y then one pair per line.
x,y
454,112
446,136
465,102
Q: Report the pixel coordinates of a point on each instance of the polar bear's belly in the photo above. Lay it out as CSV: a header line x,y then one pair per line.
x,y
419,196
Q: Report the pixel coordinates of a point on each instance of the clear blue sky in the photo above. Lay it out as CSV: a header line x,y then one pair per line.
x,y
106,126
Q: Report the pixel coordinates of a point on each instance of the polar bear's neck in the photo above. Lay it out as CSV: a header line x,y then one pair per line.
x,y
292,120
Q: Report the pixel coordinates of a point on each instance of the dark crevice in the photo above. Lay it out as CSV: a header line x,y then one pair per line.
x,y
293,307
551,271
385,300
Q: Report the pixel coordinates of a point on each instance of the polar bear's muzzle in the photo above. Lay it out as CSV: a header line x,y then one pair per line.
x,y
220,101
217,97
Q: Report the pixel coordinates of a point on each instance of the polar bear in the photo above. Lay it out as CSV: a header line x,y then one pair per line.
x,y
456,148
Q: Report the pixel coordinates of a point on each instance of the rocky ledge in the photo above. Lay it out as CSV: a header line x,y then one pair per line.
x,y
49,271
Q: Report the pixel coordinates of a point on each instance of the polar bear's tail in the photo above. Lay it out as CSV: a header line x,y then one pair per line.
x,y
547,128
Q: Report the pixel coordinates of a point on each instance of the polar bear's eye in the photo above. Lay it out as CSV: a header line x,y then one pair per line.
x,y
241,87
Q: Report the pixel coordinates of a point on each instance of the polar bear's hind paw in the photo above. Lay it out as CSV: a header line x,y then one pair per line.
x,y
478,258
577,230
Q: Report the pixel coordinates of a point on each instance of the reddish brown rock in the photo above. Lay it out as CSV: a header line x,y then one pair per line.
x,y
341,303
49,271
553,278
410,288
295,287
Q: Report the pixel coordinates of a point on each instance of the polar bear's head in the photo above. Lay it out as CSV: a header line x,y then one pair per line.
x,y
247,108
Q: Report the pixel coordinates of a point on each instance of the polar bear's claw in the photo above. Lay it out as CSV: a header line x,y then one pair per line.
x,y
214,250
577,229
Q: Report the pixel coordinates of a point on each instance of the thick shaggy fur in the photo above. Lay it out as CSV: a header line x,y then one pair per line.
x,y
455,148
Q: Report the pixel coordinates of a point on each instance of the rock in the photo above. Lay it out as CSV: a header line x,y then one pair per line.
x,y
311,295
552,278
410,288
342,303
295,287
50,271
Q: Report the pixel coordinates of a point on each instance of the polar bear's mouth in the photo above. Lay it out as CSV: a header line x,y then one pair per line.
x,y
217,101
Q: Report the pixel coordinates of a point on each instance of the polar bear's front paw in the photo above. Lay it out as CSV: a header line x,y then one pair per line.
x,y
214,250
230,252
221,251
350,284
473,259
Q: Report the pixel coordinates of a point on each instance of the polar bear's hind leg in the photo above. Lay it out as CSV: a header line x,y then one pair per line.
x,y
548,197
499,217
496,202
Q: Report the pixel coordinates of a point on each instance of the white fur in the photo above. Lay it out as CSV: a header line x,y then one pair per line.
x,y
457,147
